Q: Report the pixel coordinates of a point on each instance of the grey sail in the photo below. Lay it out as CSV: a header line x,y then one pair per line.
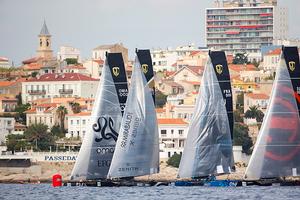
x,y
98,145
137,148
208,149
277,149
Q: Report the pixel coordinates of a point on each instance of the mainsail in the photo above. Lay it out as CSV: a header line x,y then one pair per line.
x,y
277,150
98,145
137,148
208,149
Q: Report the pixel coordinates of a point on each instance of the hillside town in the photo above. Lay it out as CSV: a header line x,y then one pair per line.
x,y
46,102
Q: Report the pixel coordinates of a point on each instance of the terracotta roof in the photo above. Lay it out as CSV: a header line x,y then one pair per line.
x,y
47,105
8,99
274,52
32,66
239,68
3,59
169,73
160,110
174,65
171,121
100,62
257,96
31,60
80,114
6,83
196,69
194,53
62,77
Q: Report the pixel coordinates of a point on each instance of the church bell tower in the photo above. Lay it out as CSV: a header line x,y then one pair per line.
x,y
44,48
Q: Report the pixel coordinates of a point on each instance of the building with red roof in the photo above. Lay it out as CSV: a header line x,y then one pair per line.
x,y
59,85
260,100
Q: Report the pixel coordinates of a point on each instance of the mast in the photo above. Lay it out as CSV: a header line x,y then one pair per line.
x,y
208,149
277,150
98,145
137,149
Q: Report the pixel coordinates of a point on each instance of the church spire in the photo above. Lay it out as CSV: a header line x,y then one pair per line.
x,y
44,30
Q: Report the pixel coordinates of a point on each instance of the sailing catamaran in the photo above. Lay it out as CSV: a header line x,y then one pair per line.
x,y
277,150
137,148
208,149
98,145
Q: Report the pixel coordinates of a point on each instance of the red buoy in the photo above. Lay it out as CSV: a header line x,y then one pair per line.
x,y
56,180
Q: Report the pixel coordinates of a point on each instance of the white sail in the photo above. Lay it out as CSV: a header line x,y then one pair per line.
x,y
208,149
137,148
277,149
98,145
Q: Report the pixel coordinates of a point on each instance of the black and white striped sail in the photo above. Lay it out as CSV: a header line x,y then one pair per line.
x,y
137,148
277,150
208,149
98,145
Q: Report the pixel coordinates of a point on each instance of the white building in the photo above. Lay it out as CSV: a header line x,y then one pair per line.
x,y
251,99
4,62
240,26
78,124
68,52
59,85
166,59
7,125
271,60
172,136
94,67
99,52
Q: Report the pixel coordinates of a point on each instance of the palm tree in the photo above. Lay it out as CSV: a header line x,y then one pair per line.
x,y
75,107
61,114
254,113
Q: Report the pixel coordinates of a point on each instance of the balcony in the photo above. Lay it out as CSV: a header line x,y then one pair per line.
x,y
37,92
65,91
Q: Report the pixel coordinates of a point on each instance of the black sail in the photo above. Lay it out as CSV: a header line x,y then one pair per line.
x,y
98,145
277,150
145,60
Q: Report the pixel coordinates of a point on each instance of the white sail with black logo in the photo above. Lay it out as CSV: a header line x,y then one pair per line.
x,y
98,145
208,149
277,149
137,148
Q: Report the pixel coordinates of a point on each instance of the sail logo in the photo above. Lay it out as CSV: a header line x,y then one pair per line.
x,y
292,65
116,71
219,69
145,68
101,127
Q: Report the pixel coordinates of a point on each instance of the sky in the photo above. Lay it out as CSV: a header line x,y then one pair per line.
x,y
86,24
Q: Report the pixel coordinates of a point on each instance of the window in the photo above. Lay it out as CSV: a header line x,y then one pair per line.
x,y
77,121
180,132
83,121
163,133
172,131
71,122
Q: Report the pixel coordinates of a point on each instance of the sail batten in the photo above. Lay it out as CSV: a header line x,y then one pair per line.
x,y
98,145
137,148
277,150
208,149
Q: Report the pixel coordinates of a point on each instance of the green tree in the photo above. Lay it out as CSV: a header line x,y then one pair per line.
x,y
57,132
16,143
240,59
20,110
174,160
34,74
39,137
241,137
240,102
71,61
254,113
237,116
160,99
75,107
61,114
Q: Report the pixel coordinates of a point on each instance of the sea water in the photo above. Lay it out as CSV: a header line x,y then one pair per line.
x,y
46,191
